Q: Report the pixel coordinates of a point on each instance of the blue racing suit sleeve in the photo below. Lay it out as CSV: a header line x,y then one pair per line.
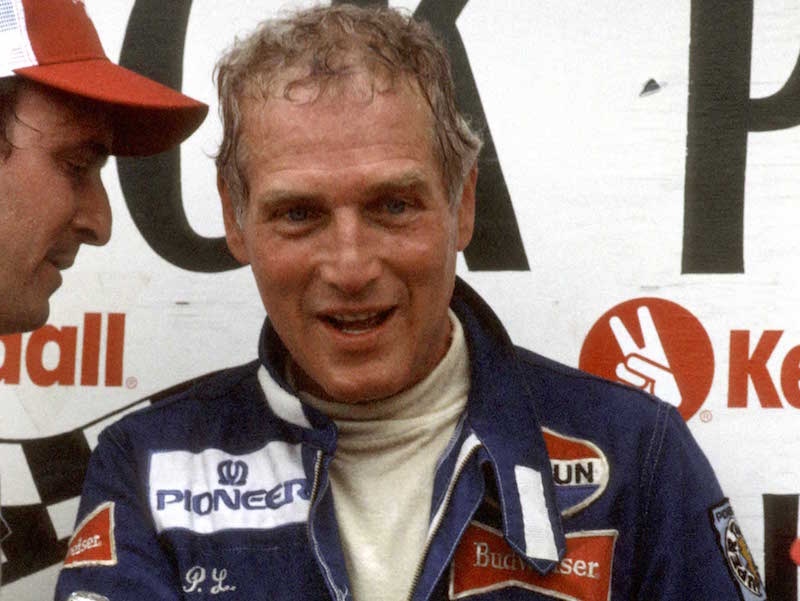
x,y
687,548
116,553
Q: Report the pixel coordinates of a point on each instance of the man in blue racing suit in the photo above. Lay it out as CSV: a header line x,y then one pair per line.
x,y
389,442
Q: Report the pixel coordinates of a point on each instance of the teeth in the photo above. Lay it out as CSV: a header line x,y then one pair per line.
x,y
354,323
355,317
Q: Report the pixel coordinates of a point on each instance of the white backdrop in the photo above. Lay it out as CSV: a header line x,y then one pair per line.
x,y
595,172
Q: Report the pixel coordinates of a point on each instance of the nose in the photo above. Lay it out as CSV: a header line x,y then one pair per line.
x,y
351,261
92,219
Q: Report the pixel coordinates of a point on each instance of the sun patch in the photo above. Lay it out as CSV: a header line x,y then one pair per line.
x,y
580,471
737,554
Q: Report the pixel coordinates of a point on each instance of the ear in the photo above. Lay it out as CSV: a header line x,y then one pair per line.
x,y
233,231
466,208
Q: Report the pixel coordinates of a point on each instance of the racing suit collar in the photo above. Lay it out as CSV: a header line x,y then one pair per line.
x,y
511,437
501,410
311,426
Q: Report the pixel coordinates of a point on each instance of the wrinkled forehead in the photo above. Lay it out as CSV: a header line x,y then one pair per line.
x,y
345,105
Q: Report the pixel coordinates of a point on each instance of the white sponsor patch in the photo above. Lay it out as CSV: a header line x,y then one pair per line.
x,y
214,490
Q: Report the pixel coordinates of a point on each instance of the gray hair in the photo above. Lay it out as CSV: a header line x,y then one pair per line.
x,y
319,44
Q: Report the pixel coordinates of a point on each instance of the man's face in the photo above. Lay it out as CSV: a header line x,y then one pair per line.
x,y
351,239
51,199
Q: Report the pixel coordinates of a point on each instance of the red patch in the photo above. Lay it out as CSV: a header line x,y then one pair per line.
x,y
580,471
93,542
566,448
485,562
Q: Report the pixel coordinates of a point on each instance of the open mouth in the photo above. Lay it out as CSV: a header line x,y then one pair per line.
x,y
61,261
358,323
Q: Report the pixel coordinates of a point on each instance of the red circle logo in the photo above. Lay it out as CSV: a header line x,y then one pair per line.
x,y
794,552
655,345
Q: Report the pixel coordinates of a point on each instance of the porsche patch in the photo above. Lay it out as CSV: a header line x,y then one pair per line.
x,y
737,554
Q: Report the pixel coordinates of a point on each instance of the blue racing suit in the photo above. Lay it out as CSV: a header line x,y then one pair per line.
x,y
556,485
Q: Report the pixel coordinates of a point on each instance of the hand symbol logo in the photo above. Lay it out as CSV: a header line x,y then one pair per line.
x,y
645,367
674,362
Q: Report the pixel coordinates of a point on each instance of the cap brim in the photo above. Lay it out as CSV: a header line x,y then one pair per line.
x,y
147,116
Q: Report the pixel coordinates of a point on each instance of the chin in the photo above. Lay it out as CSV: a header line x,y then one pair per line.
x,y
35,318
364,391
24,322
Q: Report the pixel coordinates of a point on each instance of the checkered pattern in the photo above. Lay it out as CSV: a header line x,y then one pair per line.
x,y
42,526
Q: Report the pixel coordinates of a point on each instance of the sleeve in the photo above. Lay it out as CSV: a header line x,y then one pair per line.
x,y
691,546
114,552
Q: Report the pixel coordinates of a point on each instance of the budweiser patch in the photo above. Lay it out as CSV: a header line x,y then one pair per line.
x,y
93,542
485,562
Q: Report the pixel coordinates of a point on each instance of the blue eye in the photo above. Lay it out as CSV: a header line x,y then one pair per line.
x,y
297,214
396,206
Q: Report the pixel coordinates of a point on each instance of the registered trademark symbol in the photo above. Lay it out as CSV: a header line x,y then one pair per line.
x,y
131,383
705,416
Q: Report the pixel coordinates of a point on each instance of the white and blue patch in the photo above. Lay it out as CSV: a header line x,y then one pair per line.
x,y
213,490
738,556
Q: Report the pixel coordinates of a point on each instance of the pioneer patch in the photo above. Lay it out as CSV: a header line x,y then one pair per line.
x,y
213,490
737,554
485,562
580,471
93,542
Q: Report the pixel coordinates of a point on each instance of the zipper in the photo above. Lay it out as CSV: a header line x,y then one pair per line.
x,y
340,596
315,483
438,519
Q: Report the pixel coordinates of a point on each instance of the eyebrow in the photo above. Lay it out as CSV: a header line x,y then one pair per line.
x,y
409,182
412,181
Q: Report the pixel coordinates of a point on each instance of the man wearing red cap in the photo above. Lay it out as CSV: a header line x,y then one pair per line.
x,y
64,107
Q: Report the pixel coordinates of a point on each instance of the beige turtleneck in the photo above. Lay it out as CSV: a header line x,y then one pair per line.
x,y
382,473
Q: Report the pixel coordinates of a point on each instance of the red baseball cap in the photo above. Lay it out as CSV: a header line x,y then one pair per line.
x,y
54,43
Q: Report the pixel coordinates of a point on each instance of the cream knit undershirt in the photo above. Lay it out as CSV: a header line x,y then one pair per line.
x,y
383,469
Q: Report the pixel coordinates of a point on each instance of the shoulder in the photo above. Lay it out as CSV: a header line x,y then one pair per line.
x,y
585,391
626,420
193,411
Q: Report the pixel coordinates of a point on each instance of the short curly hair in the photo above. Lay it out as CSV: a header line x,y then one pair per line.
x,y
318,46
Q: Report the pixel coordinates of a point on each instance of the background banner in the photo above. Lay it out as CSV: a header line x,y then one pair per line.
x,y
638,210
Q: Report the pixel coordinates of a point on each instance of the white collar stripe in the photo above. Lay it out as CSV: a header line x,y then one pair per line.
x,y
539,537
470,444
283,404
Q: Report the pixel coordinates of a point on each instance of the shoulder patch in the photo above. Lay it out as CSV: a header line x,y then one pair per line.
x,y
737,554
93,543
485,562
580,471
213,490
